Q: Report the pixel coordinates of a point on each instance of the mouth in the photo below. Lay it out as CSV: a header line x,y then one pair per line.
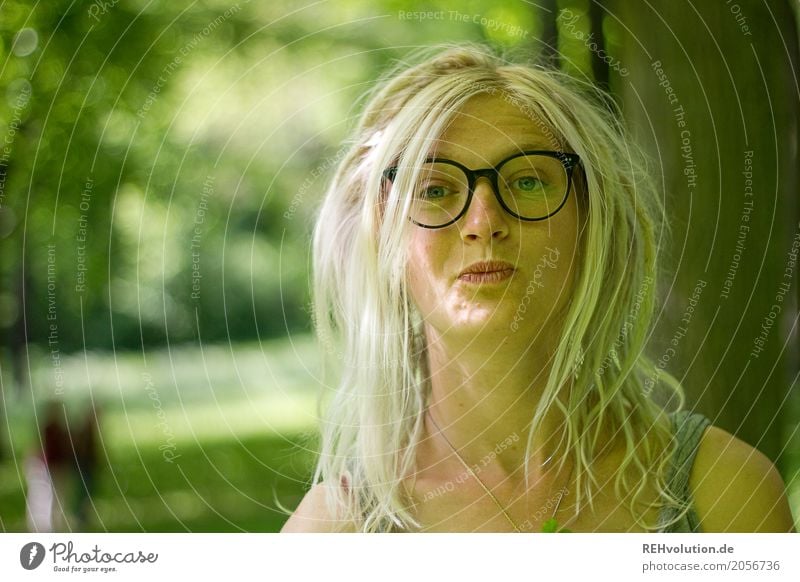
x,y
487,272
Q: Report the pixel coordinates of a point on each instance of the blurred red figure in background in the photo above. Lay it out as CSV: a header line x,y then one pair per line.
x,y
49,472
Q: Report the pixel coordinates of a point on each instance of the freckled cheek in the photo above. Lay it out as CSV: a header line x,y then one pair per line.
x,y
567,277
414,277
425,273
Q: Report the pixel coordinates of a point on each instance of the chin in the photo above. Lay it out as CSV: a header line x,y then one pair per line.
x,y
482,319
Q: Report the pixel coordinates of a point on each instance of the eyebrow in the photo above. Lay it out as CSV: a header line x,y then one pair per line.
x,y
526,146
523,147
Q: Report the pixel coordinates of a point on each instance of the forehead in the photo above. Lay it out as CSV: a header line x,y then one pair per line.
x,y
488,128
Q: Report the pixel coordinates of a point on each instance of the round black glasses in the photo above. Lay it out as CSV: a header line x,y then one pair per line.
x,y
530,185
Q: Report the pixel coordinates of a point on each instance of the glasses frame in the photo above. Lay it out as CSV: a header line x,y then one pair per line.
x,y
568,159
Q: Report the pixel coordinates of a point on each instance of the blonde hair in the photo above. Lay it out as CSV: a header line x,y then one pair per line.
x,y
363,315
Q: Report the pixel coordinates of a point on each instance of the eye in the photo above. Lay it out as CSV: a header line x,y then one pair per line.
x,y
527,184
434,191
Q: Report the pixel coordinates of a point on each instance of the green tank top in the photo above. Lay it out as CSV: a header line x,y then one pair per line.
x,y
688,429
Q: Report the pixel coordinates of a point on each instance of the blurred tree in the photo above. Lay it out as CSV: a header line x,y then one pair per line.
x,y
164,161
713,92
600,66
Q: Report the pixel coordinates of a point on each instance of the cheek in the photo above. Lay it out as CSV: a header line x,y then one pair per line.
x,y
423,269
559,248
569,247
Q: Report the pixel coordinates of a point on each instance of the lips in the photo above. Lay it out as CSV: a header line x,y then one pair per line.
x,y
485,267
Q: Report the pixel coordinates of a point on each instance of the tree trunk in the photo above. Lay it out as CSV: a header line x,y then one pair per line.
x,y
713,95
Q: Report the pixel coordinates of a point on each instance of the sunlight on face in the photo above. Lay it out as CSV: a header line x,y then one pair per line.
x,y
498,302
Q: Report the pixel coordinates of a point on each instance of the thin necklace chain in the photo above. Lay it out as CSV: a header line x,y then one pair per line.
x,y
489,493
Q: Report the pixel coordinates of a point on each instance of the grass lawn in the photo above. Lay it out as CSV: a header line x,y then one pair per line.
x,y
240,424
224,486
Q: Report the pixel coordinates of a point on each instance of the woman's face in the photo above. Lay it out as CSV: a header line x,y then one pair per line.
x,y
487,130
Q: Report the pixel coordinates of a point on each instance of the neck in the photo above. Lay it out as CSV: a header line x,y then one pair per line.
x,y
484,401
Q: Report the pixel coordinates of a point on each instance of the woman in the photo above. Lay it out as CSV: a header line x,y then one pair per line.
x,y
484,266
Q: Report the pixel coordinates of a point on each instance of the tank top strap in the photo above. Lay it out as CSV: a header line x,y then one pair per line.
x,y
687,428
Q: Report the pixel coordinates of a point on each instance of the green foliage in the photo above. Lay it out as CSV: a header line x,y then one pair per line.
x,y
135,108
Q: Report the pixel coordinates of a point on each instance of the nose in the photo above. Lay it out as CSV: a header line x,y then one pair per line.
x,y
485,218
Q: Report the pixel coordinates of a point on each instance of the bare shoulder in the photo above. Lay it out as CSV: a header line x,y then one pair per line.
x,y
313,515
736,488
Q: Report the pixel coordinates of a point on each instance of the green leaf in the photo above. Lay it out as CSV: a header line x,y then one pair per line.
x,y
550,526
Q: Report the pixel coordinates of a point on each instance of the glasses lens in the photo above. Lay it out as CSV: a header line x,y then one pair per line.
x,y
533,186
440,194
